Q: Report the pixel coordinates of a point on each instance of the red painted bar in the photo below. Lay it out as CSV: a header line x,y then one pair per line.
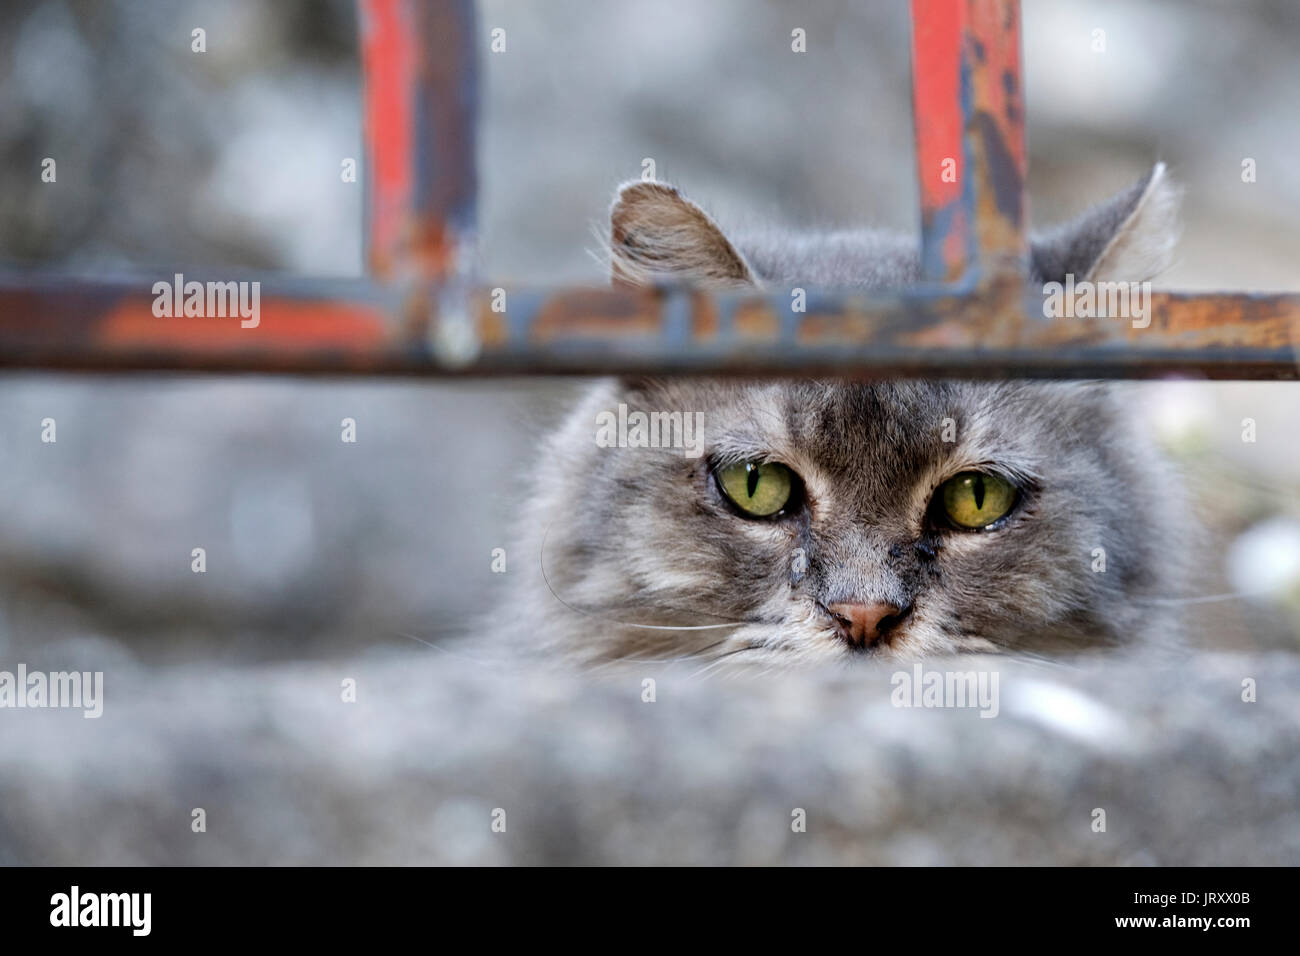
x,y
388,66
970,142
419,64
939,91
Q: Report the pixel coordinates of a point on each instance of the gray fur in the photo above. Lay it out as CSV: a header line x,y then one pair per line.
x,y
622,545
854,258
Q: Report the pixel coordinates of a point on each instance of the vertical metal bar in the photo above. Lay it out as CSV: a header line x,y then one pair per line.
x,y
940,103
996,136
420,99
970,137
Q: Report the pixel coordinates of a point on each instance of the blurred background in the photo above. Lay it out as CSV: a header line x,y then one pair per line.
x,y
169,159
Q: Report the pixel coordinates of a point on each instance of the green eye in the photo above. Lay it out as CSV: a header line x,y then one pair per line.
x,y
975,500
759,489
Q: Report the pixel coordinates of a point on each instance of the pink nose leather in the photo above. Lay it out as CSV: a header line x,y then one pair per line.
x,y
860,623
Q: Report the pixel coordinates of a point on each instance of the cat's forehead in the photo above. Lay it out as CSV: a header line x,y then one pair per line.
x,y
809,414
893,428
889,429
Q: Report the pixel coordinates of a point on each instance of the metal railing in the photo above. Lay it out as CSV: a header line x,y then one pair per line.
x,y
421,309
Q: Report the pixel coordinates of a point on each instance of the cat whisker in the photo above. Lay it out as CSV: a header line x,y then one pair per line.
x,y
449,653
1202,598
769,669
677,659
1040,660
1232,470
721,659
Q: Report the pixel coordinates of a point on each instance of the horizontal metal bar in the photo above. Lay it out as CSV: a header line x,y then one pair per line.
x,y
338,327
420,103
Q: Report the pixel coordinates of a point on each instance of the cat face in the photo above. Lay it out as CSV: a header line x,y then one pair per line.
x,y
869,539
841,520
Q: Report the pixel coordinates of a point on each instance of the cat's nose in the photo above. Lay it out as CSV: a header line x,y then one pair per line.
x,y
864,624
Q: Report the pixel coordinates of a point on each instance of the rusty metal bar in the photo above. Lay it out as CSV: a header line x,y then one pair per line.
x,y
420,70
302,325
346,327
969,115
420,92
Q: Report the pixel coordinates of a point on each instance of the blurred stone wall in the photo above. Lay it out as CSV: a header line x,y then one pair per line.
x,y
170,158
435,749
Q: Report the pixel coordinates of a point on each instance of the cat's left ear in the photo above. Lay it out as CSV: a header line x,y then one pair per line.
x,y
1128,238
657,233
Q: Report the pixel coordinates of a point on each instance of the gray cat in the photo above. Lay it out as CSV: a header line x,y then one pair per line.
x,y
827,521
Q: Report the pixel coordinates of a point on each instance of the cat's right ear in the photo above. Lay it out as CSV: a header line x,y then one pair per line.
x,y
657,233
1128,238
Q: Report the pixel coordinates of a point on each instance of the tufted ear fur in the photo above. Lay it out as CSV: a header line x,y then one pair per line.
x,y
1129,237
657,233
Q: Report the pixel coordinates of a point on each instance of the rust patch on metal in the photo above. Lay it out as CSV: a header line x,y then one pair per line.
x,y
595,315
756,321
